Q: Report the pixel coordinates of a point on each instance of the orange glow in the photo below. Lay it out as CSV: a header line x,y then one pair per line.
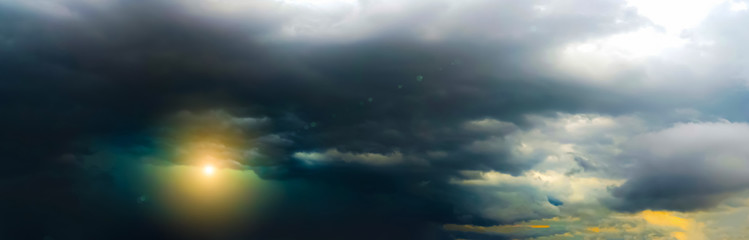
x,y
206,199
682,227
679,235
204,190
539,226
663,218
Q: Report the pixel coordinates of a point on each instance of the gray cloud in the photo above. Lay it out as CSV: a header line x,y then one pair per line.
x,y
585,164
687,167
369,110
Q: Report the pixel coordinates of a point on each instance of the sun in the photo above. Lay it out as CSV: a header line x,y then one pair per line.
x,y
208,170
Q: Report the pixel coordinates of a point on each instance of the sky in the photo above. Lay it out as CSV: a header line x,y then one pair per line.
x,y
374,119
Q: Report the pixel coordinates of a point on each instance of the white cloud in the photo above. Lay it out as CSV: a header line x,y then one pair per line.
x,y
738,6
489,125
569,189
675,15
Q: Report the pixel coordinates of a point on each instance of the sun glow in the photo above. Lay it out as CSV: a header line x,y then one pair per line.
x,y
208,170
203,200
204,190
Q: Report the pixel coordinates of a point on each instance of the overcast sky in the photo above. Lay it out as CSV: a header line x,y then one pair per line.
x,y
374,119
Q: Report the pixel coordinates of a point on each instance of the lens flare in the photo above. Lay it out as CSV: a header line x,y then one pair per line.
x,y
208,170
200,188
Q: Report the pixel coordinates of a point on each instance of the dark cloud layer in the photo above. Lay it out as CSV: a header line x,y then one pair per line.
x,y
684,168
88,91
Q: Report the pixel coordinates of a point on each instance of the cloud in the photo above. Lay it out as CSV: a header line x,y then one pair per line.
x,y
372,119
489,125
687,167
585,164
646,224
534,228
363,158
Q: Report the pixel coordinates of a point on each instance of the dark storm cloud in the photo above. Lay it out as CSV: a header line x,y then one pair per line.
x,y
80,79
687,167
103,68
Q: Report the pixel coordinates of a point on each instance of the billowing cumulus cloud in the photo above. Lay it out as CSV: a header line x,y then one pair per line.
x,y
347,119
686,167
